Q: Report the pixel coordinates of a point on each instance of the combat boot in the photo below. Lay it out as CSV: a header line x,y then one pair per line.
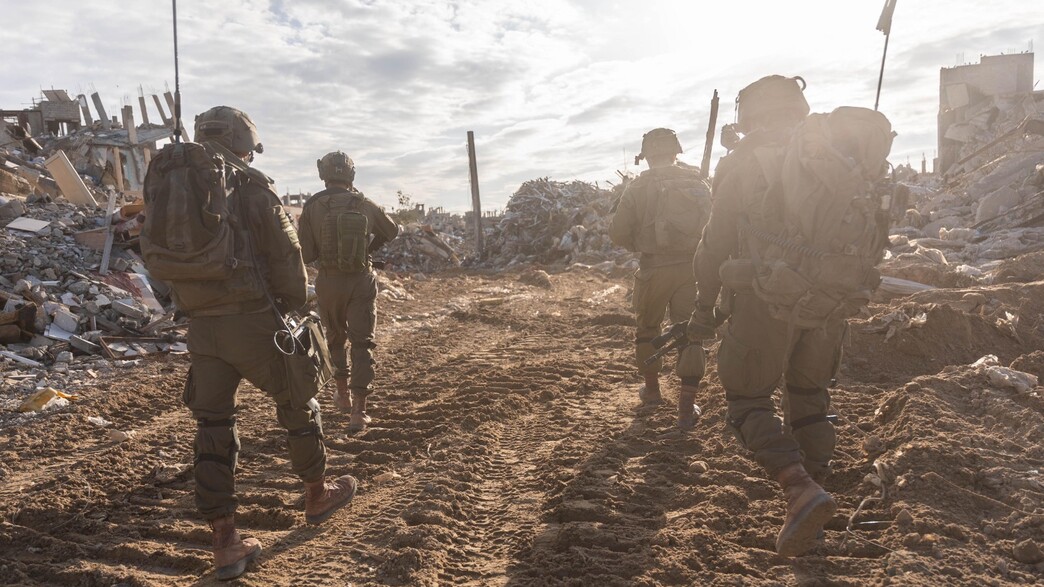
x,y
323,497
359,419
341,398
232,554
688,411
649,394
809,508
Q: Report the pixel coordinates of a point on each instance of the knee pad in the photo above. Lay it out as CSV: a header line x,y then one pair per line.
x,y
691,364
736,425
211,447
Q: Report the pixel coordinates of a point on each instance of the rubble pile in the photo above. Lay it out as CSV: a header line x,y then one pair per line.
x,y
68,311
987,209
421,247
554,222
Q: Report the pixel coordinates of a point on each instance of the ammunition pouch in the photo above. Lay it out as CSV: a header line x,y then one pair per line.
x,y
308,367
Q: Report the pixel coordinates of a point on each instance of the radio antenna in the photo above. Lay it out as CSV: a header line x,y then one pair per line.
x,y
177,78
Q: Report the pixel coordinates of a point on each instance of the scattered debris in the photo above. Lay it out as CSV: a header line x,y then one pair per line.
x,y
45,399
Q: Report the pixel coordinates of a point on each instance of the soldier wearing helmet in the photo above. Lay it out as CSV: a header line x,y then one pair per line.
x,y
340,229
230,339
757,349
660,215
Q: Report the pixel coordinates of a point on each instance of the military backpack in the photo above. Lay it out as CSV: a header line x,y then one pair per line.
x,y
344,235
680,206
191,235
830,204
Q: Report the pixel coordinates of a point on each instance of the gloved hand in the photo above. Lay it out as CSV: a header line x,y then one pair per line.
x,y
702,323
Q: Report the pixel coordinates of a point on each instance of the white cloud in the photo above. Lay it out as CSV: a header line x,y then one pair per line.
x,y
551,87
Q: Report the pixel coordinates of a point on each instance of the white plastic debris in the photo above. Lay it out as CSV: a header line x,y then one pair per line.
x,y
99,421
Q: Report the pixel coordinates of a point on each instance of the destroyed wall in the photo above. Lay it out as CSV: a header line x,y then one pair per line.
x,y
965,89
983,221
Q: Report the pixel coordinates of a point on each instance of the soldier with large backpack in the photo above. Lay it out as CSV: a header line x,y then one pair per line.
x,y
215,231
340,229
661,215
797,225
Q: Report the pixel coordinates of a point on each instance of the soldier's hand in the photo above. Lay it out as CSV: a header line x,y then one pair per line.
x,y
702,323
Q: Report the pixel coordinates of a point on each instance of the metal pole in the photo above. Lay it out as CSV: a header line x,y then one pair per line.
x,y
880,78
176,107
476,203
711,128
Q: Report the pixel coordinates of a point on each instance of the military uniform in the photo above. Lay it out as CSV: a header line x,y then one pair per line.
x,y
664,283
758,349
228,292
347,301
232,340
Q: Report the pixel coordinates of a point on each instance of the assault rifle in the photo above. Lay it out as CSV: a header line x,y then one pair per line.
x,y
674,337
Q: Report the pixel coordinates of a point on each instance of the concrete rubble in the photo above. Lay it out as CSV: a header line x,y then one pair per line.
x,y
64,319
557,223
982,221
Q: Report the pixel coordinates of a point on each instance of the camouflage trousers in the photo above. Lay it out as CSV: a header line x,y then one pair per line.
x,y
665,291
224,350
755,352
348,308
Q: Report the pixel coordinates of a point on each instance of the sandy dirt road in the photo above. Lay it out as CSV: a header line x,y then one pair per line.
x,y
507,415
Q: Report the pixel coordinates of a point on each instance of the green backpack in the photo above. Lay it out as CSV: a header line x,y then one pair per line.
x,y
345,235
187,234
818,262
191,238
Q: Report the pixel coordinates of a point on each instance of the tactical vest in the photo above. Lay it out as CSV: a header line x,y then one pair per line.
x,y
344,234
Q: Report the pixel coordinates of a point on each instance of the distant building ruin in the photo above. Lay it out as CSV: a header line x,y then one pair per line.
x,y
966,93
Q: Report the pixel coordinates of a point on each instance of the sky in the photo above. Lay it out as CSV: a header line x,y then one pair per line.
x,y
552,88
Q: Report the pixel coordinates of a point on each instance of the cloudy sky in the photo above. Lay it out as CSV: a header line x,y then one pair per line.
x,y
559,88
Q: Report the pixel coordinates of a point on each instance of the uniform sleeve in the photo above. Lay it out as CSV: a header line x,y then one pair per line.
x,y
719,242
621,229
280,250
384,230
308,236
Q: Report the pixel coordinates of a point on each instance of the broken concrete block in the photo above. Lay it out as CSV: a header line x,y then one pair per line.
x,y
69,181
11,210
69,299
82,344
130,309
66,320
997,202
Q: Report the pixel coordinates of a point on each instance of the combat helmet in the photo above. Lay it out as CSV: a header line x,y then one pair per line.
x,y
659,141
773,96
230,128
336,166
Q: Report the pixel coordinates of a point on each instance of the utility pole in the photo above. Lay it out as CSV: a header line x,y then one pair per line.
x,y
476,203
711,128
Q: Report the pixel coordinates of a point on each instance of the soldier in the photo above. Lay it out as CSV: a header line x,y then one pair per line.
x,y
758,348
341,228
230,338
660,215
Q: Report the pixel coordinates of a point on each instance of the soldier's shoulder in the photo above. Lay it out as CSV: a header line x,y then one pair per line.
x,y
314,199
640,182
259,186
